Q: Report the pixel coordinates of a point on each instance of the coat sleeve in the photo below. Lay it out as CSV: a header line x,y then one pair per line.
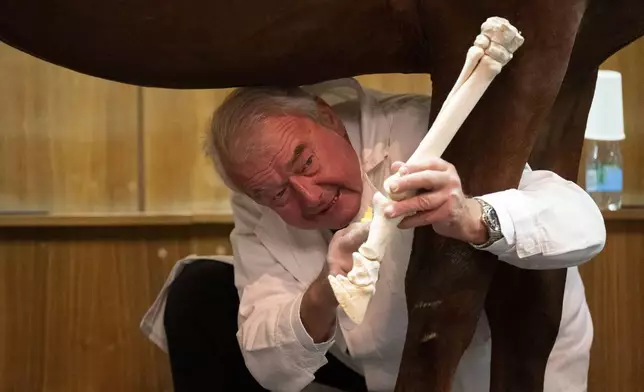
x,y
276,347
547,223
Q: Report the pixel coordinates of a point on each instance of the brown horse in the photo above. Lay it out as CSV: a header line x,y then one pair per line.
x,y
534,111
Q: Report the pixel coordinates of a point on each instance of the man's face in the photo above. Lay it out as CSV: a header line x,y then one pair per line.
x,y
306,172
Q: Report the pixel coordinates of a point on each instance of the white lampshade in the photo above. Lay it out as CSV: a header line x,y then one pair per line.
x,y
606,117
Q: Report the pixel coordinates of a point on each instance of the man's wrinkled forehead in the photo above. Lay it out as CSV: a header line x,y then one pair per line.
x,y
277,144
252,165
250,157
266,141
268,168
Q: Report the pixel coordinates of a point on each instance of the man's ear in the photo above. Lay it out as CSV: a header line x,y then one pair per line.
x,y
328,118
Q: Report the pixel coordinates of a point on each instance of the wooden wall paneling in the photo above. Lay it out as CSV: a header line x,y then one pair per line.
x,y
95,292
615,293
68,142
178,176
398,83
71,301
22,315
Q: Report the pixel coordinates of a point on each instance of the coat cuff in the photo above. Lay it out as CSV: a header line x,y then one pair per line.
x,y
500,202
518,223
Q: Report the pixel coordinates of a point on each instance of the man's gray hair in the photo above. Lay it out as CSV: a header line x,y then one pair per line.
x,y
244,111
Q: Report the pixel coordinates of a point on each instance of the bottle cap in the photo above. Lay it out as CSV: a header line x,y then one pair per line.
x,y
606,117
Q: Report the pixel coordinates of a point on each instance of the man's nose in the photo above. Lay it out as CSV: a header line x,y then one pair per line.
x,y
307,191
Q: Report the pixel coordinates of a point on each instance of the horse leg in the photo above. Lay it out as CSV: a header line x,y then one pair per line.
x,y
520,358
443,307
450,276
524,306
537,296
524,312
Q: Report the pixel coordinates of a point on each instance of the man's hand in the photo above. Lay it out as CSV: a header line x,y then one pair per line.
x,y
342,246
440,201
317,310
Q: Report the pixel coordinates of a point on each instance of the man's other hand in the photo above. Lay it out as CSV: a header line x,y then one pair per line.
x,y
439,202
343,244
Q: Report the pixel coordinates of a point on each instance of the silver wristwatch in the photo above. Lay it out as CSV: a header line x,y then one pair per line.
x,y
491,222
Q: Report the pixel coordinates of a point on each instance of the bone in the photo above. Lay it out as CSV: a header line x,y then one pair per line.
x,y
499,40
355,290
381,230
492,49
353,300
364,271
474,55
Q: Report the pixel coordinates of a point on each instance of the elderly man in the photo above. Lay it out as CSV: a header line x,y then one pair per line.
x,y
304,163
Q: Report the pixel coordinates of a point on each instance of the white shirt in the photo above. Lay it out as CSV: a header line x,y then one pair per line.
x,y
547,223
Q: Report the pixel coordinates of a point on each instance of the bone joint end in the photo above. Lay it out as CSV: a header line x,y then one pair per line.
x,y
353,298
504,39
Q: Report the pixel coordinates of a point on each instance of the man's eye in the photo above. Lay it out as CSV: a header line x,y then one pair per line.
x,y
280,194
309,161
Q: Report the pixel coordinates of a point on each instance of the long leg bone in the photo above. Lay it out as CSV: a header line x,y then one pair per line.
x,y
380,227
500,40
492,49
474,55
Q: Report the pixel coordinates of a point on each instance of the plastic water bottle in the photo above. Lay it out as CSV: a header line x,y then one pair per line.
x,y
604,133
604,174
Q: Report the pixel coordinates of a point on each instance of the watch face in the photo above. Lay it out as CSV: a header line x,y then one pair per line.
x,y
491,221
494,220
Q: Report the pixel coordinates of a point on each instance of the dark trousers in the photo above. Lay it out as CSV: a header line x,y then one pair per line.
x,y
201,324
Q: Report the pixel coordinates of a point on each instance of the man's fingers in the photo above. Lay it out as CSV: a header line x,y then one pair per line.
x,y
424,218
424,202
396,166
430,163
346,269
426,179
354,236
336,270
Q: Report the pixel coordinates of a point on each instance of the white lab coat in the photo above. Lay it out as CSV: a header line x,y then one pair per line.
x,y
547,223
